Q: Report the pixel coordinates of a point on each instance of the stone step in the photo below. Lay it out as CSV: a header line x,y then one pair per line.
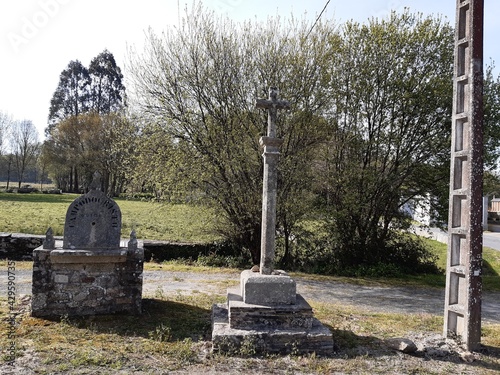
x,y
317,339
250,316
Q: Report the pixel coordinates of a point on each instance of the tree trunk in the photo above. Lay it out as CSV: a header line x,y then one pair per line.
x,y
75,182
70,184
287,256
252,241
9,166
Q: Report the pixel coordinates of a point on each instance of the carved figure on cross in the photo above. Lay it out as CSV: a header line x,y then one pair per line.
x,y
272,104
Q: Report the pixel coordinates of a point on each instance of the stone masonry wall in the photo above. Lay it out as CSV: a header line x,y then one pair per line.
x,y
19,246
87,285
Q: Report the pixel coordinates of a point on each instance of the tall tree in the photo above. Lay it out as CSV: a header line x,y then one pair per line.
x,y
107,92
200,82
25,146
5,127
83,94
91,143
72,94
491,100
390,131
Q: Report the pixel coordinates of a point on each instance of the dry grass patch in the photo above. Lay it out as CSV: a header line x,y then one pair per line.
x,y
173,334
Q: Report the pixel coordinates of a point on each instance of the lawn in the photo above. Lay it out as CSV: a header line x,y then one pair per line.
x,y
34,213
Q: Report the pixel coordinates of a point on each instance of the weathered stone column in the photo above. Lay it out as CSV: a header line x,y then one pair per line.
x,y
271,153
266,306
268,237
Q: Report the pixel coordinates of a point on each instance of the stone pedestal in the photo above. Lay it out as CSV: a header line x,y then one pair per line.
x,y
268,315
278,289
90,272
82,282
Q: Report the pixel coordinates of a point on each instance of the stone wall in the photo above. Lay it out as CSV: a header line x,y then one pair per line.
x,y
18,246
76,282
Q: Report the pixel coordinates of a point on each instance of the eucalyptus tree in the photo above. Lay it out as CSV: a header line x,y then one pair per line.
x,y
198,85
107,92
81,95
72,95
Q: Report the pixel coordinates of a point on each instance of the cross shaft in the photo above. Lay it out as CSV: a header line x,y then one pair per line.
x,y
270,181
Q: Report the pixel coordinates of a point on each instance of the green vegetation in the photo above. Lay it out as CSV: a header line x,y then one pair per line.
x,y
34,213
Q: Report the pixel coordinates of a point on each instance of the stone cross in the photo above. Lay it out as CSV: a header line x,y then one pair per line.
x,y
271,154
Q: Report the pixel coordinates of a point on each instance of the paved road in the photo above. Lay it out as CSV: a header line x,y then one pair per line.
x,y
490,239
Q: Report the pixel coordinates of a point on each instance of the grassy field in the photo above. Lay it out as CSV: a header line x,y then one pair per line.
x,y
34,213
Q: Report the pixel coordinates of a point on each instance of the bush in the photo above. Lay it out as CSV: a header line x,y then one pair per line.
x,y
52,191
26,189
400,254
228,261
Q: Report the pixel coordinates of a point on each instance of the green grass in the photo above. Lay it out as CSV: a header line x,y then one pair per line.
x,y
34,213
491,267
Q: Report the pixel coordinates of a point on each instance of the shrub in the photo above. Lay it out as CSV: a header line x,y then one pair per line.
x,y
399,254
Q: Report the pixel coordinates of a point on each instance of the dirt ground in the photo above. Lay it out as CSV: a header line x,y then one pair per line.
x,y
435,355
376,298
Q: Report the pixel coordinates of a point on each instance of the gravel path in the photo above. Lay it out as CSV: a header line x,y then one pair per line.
x,y
374,298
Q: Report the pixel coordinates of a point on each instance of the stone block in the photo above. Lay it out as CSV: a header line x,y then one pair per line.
x,y
267,290
247,316
82,286
318,339
61,279
93,221
88,256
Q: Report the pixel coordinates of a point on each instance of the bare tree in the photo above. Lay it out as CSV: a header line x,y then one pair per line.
x,y
5,126
197,85
25,145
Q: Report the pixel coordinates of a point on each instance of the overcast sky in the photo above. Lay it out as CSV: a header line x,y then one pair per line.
x,y
40,37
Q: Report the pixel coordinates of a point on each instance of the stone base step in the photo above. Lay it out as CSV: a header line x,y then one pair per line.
x,y
317,339
249,316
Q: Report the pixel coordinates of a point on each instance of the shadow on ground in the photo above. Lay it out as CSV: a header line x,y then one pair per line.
x,y
161,320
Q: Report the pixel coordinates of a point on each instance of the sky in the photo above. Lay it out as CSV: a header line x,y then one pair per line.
x,y
38,38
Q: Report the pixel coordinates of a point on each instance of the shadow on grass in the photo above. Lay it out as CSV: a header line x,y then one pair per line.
x,y
488,270
491,353
38,197
160,320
